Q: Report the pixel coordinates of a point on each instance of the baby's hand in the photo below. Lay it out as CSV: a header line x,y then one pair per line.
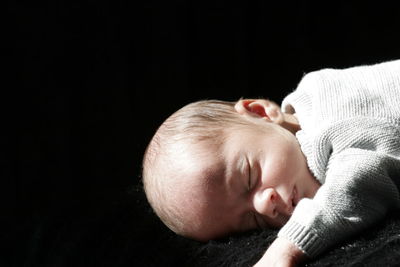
x,y
281,253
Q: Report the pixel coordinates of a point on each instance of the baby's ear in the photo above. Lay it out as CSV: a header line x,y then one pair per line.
x,y
260,108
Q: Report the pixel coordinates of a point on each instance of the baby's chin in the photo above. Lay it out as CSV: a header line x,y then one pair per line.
x,y
280,220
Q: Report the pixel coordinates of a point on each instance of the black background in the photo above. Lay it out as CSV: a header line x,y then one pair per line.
x,y
94,79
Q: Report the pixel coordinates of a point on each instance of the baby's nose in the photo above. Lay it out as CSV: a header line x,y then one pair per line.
x,y
265,202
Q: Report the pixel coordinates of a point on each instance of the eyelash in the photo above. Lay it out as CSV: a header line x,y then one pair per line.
x,y
249,182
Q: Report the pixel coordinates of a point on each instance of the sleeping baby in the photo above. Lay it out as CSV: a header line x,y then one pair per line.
x,y
322,167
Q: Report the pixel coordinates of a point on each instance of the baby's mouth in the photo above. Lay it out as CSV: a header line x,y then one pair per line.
x,y
294,199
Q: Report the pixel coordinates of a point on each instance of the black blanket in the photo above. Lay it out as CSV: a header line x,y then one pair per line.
x,y
126,233
94,79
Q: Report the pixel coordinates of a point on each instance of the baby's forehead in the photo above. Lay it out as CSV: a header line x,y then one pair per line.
x,y
196,167
210,170
215,163
210,176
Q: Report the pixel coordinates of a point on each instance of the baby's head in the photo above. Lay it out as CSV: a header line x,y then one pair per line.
x,y
217,167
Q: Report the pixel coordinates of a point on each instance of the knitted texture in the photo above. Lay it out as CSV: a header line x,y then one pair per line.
x,y
350,135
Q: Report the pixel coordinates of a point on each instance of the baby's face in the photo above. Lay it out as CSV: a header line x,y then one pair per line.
x,y
254,182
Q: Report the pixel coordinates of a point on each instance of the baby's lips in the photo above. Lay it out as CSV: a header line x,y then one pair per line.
x,y
292,203
294,199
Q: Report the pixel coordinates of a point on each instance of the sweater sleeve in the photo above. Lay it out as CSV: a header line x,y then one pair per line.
x,y
358,192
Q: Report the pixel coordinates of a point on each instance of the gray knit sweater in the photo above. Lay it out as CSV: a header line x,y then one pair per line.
x,y
350,135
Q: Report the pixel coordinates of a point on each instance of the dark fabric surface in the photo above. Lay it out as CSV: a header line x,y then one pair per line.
x,y
93,81
379,246
126,233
